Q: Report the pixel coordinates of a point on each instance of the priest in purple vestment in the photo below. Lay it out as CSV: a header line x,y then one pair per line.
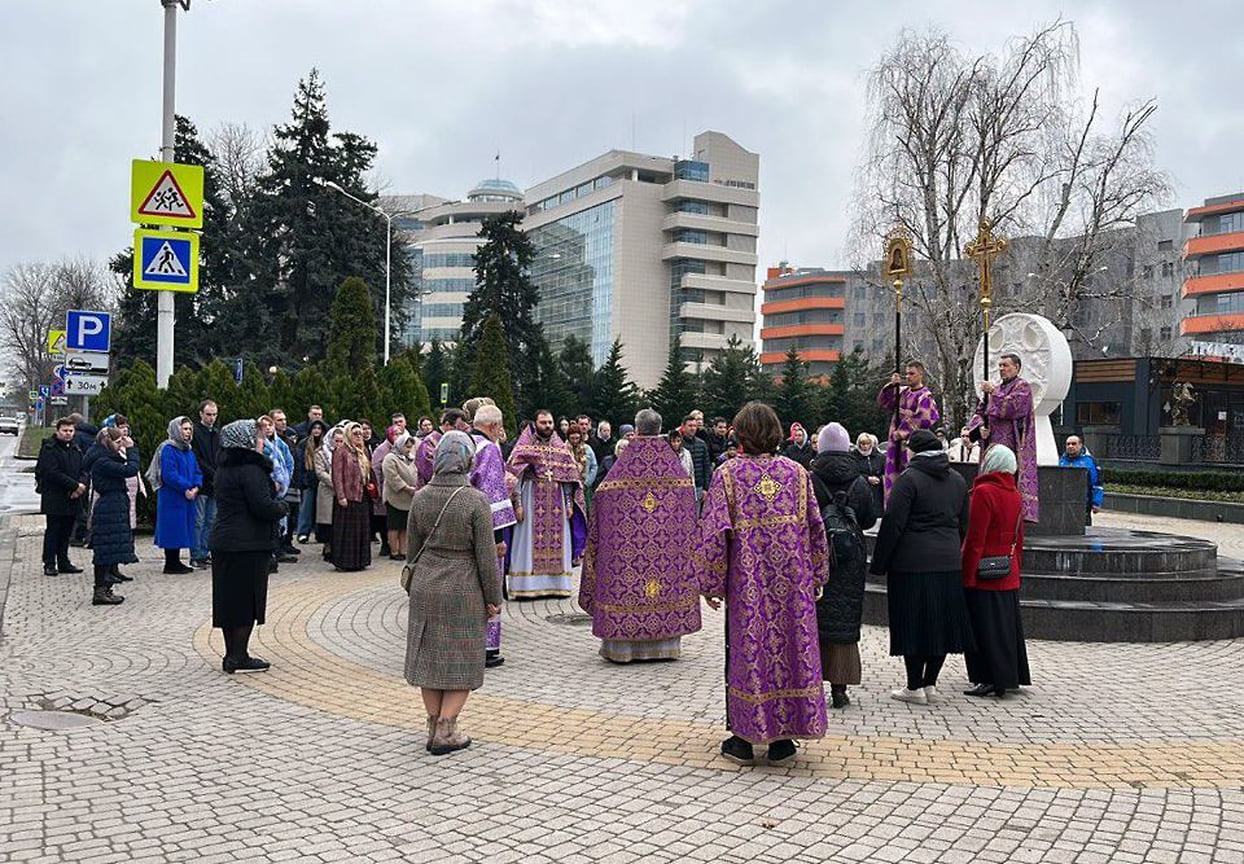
x,y
488,476
763,549
550,537
1009,419
917,409
637,583
451,418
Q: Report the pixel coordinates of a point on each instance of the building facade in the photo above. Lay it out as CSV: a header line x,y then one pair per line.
x,y
443,238
1215,275
803,309
639,248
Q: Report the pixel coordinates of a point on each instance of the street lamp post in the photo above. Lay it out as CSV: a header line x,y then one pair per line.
x,y
388,257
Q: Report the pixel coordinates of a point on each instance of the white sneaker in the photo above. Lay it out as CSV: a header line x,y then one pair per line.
x,y
931,694
915,697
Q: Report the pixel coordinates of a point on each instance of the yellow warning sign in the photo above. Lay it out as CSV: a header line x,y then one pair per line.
x,y
165,193
56,341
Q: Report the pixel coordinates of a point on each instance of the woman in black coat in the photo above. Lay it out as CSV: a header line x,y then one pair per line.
x,y
111,537
919,551
871,465
846,506
248,515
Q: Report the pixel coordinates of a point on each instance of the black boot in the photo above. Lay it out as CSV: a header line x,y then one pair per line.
x,y
172,563
104,597
838,692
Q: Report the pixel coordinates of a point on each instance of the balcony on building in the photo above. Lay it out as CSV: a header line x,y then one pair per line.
x,y
707,252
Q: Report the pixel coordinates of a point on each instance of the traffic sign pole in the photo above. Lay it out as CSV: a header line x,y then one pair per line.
x,y
164,299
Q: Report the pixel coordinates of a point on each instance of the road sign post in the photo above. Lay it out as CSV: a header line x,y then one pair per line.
x,y
166,260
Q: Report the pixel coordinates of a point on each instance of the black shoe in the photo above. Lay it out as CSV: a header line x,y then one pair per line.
x,y
200,564
494,661
68,568
79,542
119,576
286,559
272,566
290,550
781,752
244,664
840,698
177,569
111,579
738,751
104,597
396,557
984,690
50,570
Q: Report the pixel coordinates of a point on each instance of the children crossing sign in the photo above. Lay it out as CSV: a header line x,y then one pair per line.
x,y
166,260
165,193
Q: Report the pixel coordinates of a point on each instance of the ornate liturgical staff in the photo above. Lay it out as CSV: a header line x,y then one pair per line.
x,y
983,250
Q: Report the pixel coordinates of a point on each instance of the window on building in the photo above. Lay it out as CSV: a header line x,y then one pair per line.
x,y
688,169
1098,413
1168,269
1146,336
860,319
1165,245
689,206
1146,272
1167,301
686,235
1164,334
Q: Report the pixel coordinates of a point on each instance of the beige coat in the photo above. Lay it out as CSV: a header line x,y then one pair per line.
x,y
324,494
400,480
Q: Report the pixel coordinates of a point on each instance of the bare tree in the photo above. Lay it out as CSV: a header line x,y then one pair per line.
x,y
956,139
239,153
36,297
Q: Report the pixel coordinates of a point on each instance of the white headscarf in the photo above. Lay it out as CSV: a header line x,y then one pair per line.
x,y
999,459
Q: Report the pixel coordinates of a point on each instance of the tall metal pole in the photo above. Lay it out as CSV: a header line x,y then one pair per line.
x,y
164,299
388,274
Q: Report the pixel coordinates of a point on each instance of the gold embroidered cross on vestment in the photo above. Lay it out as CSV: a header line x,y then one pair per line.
x,y
649,503
768,488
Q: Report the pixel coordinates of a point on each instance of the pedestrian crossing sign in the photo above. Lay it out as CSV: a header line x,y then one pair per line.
x,y
165,193
166,260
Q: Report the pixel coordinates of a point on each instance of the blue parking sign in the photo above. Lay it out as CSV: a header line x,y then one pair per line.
x,y
87,330
166,260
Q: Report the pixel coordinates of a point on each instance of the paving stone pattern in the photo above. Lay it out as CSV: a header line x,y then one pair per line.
x,y
1116,754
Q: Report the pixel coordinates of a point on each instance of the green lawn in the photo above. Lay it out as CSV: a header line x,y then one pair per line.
x,y
1168,492
32,437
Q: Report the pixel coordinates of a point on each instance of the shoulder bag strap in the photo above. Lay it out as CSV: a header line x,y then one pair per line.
x,y
1018,521
437,523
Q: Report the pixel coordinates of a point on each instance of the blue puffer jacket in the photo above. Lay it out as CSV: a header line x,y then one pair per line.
x,y
111,537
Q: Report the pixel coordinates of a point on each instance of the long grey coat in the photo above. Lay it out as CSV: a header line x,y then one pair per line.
x,y
453,579
324,494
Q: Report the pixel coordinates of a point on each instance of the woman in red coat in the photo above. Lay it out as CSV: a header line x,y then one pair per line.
x,y
1000,661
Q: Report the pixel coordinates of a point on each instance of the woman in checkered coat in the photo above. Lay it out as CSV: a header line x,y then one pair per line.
x,y
454,589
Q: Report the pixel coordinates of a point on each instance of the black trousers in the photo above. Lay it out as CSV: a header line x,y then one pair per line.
x,y
291,523
56,539
83,517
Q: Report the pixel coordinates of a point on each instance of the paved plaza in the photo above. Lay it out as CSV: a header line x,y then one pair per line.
x,y
1118,753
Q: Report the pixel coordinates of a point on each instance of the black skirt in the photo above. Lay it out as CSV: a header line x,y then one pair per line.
x,y
1000,658
928,614
239,588
397,519
351,545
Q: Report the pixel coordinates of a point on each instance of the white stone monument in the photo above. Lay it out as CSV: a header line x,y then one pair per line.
x,y
1047,367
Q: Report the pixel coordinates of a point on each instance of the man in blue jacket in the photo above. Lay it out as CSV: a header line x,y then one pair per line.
x,y
1076,456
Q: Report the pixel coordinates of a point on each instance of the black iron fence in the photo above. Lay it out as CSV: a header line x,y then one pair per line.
x,y
1140,448
1225,449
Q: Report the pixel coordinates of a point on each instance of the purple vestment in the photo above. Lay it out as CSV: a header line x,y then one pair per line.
x,y
762,547
917,409
1011,422
425,456
637,582
548,540
488,476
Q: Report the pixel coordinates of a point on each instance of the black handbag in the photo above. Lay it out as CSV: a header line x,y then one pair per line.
x,y
999,566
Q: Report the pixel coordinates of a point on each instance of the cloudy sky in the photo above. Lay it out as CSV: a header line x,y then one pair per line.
x,y
442,86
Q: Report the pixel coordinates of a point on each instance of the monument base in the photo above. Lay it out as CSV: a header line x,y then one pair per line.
x,y
1177,445
1064,497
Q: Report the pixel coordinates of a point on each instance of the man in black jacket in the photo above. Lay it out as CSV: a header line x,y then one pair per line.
x,y
716,440
703,470
58,479
206,447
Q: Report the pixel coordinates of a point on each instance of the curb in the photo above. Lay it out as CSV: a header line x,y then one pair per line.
x,y
8,555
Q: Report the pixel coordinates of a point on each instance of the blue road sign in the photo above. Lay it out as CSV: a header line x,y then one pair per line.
x,y
60,372
238,369
45,390
58,388
166,260
88,331
38,404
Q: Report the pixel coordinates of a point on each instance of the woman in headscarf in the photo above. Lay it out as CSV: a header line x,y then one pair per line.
x,y
178,483
111,537
995,529
451,573
242,540
918,551
351,504
401,481
306,454
798,447
324,500
846,506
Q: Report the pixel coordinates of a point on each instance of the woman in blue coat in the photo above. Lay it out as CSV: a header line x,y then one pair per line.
x,y
112,539
178,482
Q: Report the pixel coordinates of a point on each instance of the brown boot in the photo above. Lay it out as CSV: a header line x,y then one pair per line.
x,y
448,738
432,718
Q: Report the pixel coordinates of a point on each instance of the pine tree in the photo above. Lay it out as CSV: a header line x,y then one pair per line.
x,y
462,363
352,333
794,402
491,375
674,396
182,395
436,371
358,397
312,387
732,379
503,286
253,398
404,389
216,382
578,371
614,396
281,392
850,397
548,388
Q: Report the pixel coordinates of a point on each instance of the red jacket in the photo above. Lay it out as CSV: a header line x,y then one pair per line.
x,y
992,518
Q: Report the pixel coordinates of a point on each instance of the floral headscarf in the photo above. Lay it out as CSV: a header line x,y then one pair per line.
x,y
240,434
455,453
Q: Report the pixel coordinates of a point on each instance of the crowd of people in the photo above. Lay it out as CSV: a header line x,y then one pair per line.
x,y
642,526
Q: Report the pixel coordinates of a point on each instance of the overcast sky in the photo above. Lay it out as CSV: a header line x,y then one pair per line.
x,y
442,86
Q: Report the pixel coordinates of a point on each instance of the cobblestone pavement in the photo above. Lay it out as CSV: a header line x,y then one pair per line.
x,y
1118,753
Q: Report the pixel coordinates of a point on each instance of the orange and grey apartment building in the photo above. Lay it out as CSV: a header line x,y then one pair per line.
x,y
805,309
1214,263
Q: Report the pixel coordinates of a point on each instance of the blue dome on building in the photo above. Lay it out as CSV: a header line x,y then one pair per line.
x,y
495,189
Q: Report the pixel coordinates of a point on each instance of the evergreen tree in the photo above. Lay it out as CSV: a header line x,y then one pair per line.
x,y
674,396
436,371
491,375
306,237
182,396
253,398
850,397
732,379
614,396
548,389
578,372
281,392
216,382
311,387
404,388
352,332
795,402
503,287
358,397
461,365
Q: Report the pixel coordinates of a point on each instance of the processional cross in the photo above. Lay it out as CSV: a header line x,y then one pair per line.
x,y
983,250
